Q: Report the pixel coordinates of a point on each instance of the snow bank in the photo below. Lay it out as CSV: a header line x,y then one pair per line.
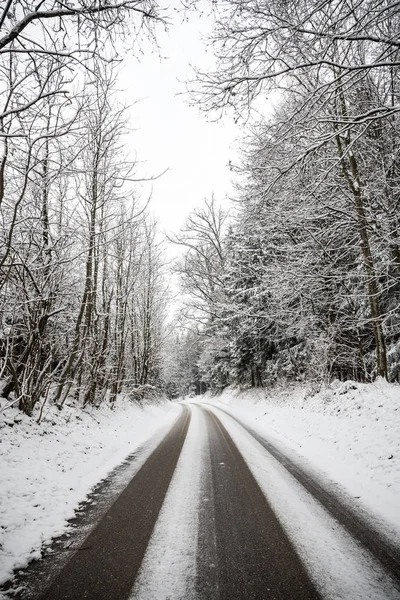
x,y
348,434
46,470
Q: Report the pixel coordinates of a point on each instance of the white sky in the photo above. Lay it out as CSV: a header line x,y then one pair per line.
x,y
171,135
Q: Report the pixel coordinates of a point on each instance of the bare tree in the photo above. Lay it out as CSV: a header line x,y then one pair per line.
x,y
201,266
264,45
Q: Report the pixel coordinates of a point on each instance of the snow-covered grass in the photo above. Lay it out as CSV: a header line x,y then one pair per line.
x,y
47,469
348,434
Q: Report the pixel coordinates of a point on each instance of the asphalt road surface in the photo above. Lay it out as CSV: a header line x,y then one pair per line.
x,y
243,552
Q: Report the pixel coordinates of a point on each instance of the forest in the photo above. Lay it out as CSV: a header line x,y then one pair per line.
x,y
298,281
82,301
303,281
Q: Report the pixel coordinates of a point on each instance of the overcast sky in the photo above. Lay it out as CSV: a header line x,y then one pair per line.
x,y
171,135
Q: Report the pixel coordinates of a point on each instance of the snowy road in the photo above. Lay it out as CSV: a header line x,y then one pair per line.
x,y
216,512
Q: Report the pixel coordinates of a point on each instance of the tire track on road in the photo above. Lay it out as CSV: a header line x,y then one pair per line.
x,y
106,565
255,558
386,553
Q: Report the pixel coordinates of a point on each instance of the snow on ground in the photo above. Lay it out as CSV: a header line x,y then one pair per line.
x,y
168,571
340,567
348,434
47,469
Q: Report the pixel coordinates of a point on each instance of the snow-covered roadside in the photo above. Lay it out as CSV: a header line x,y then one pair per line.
x,y
340,568
46,470
348,434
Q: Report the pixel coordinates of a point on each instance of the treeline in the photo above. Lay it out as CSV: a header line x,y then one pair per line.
x,y
81,289
305,280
